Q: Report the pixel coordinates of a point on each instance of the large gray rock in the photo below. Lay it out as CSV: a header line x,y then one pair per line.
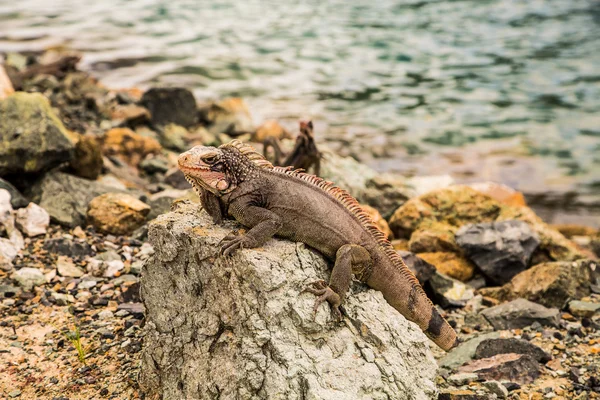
x,y
499,249
519,314
239,327
66,197
32,138
170,106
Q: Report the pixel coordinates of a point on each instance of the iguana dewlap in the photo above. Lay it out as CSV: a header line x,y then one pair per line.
x,y
237,181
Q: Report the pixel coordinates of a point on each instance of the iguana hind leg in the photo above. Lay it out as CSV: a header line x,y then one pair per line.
x,y
350,259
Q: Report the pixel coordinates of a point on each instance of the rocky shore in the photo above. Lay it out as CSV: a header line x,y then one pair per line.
x,y
85,169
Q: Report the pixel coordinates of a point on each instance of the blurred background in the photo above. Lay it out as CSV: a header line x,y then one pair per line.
x,y
501,90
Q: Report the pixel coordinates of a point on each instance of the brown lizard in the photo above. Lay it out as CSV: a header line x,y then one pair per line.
x,y
235,180
305,153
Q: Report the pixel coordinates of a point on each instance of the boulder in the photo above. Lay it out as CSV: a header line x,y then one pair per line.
x,y
520,368
583,308
499,249
17,200
230,116
170,106
33,220
449,292
130,146
32,138
66,197
460,205
87,161
519,314
378,220
433,237
173,137
240,326
465,351
270,128
27,278
117,213
502,193
160,202
348,174
451,264
551,284
491,347
386,192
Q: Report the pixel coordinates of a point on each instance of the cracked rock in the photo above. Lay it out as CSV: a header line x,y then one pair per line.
x,y
239,326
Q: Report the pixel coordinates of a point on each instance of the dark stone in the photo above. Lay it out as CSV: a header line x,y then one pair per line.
x,y
17,200
68,247
175,178
520,368
135,309
132,293
171,106
500,249
448,292
519,314
492,347
421,268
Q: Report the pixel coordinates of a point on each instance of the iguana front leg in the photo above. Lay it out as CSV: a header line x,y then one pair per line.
x,y
350,259
210,202
262,222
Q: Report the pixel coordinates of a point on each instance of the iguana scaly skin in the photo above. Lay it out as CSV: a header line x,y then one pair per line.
x,y
237,181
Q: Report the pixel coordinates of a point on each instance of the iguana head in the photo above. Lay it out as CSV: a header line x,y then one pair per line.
x,y
220,170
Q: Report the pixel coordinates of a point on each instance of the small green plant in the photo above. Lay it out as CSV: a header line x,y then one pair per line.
x,y
74,337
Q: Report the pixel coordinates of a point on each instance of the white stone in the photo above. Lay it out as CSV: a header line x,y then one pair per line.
x,y
112,267
66,267
29,277
105,314
33,220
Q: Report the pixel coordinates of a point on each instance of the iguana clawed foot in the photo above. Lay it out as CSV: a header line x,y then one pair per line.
x,y
325,293
232,242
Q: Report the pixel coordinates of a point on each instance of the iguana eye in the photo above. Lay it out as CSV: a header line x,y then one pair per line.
x,y
209,159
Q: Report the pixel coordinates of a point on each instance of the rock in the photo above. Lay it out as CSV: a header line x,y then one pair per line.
x,y
465,351
450,264
62,299
500,249
132,147
571,230
16,198
33,220
425,184
175,178
27,278
87,161
385,192
105,314
502,193
230,116
378,220
595,244
8,252
496,388
449,292
270,128
519,314
160,202
348,174
117,213
152,165
66,197
263,326
32,138
550,284
130,114
462,379
434,237
170,106
520,368
135,309
113,268
460,205
583,308
491,347
65,267
420,267
6,87
172,137
452,394
68,247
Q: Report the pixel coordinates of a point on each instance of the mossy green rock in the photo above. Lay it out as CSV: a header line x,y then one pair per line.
x,y
32,138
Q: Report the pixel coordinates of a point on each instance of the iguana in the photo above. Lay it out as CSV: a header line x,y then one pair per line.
x,y
235,180
305,153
